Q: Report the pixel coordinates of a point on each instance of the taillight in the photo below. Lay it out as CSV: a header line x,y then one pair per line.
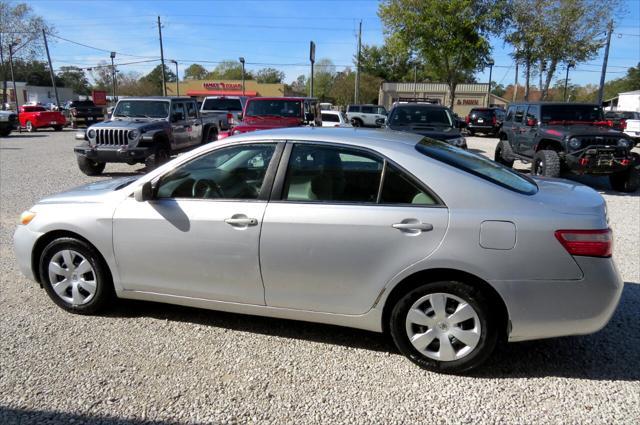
x,y
623,124
467,119
230,118
493,120
590,243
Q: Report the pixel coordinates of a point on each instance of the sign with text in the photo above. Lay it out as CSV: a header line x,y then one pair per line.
x,y
99,97
209,85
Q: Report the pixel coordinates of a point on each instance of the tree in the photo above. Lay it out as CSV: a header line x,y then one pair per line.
x,y
296,88
269,76
229,70
497,89
324,74
195,71
629,82
102,76
74,78
451,36
154,78
342,90
33,72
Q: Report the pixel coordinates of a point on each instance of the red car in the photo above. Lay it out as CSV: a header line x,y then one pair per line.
x,y
263,113
35,117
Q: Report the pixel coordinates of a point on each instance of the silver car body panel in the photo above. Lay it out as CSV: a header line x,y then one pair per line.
x,y
338,264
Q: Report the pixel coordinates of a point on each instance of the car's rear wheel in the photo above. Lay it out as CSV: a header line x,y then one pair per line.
x,y
546,163
504,154
90,167
30,127
157,158
212,136
444,326
356,122
75,276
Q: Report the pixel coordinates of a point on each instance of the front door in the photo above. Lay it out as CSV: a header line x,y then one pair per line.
x,y
333,239
199,236
194,123
528,132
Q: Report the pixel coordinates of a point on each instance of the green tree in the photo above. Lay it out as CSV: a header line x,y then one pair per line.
x,y
229,70
155,78
497,89
34,72
297,88
629,82
269,76
343,88
75,78
452,37
324,74
101,76
195,71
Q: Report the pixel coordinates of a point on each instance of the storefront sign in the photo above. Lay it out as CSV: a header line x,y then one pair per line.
x,y
468,102
99,97
222,86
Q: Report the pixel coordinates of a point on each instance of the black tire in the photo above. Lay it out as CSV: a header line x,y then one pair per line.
x,y
628,181
488,323
546,163
30,128
90,167
57,128
472,132
103,292
5,132
212,136
504,154
156,159
357,122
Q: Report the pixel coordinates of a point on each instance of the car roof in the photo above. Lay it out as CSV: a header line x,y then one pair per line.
x,y
330,111
157,98
554,104
348,136
419,105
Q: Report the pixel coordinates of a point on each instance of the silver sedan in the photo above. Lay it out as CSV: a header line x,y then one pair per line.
x,y
447,251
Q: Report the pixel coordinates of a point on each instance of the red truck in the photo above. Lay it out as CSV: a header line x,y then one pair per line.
x,y
35,117
263,113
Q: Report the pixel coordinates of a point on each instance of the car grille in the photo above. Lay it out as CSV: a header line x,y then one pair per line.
x,y
113,137
598,140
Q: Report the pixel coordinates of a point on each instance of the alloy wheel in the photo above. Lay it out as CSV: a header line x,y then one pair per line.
x,y
443,327
72,277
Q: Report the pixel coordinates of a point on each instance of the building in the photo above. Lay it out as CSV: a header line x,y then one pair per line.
x,y
467,96
628,101
202,88
36,94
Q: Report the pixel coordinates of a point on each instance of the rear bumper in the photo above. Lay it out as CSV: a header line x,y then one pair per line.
x,y
47,123
482,127
546,309
120,154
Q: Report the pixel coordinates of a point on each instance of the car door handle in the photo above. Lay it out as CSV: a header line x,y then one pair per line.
x,y
424,227
241,221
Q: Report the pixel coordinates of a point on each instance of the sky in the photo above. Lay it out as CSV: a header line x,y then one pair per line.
x,y
267,33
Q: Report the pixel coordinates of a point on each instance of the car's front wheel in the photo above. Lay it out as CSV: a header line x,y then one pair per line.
x,y
74,276
90,167
546,163
503,154
444,326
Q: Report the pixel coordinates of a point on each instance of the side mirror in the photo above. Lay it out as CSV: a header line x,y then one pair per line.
x,y
532,122
143,193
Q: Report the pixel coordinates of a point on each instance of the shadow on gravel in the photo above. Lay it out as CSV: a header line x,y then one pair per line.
x,y
11,416
478,151
314,332
611,354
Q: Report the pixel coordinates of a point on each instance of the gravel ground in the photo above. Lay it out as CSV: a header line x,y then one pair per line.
x,y
154,363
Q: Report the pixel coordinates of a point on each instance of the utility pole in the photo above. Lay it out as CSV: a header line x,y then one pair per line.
x,y
415,81
4,77
604,62
515,89
356,99
53,77
570,64
15,90
113,77
312,59
178,78
490,62
164,86
241,59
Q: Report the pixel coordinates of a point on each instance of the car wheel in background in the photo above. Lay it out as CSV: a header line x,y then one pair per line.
x,y
58,128
627,181
504,154
356,122
212,136
90,167
75,276
30,128
472,132
546,163
156,159
444,326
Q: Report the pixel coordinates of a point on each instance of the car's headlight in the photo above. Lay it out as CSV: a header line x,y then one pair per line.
x,y
624,143
575,143
26,217
91,134
458,141
134,134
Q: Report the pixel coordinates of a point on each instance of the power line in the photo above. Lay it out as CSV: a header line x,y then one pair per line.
x,y
98,48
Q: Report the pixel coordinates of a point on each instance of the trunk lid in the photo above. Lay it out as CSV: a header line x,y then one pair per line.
x,y
568,197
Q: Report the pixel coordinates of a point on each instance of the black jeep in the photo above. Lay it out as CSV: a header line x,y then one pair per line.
x,y
557,137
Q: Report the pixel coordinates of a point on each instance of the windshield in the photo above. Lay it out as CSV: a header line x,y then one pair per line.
x,y
421,116
571,113
222,105
142,109
477,165
275,107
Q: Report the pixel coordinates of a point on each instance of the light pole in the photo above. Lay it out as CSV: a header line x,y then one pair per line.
x,y
241,59
177,78
490,62
570,64
113,76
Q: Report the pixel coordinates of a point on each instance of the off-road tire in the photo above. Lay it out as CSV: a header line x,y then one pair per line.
x,y
90,167
546,163
104,293
157,158
473,296
504,154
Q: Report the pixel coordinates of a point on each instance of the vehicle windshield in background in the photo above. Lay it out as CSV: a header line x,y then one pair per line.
x,y
477,165
222,105
419,116
278,108
142,109
571,113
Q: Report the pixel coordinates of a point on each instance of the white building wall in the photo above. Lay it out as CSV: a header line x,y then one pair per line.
x,y
629,101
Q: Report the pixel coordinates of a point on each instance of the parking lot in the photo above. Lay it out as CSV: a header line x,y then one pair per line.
x,y
155,363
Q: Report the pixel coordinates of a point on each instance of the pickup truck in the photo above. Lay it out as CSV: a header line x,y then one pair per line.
x,y
82,112
227,108
144,130
263,113
8,122
34,117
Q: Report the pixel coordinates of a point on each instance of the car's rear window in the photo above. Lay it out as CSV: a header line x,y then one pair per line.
x,y
477,165
222,105
481,113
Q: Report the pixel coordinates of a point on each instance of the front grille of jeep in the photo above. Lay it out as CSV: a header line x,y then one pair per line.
x,y
112,137
598,140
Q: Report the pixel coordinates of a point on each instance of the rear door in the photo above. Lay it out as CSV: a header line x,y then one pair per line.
x,y
179,125
336,231
194,129
528,133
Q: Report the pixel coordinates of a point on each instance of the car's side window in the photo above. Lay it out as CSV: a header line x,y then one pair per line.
x,y
236,172
533,113
319,173
353,108
519,114
398,188
177,111
367,110
191,110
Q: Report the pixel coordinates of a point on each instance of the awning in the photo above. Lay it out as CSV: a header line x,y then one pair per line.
x,y
221,93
